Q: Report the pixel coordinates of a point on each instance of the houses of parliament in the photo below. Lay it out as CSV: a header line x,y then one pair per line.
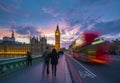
x,y
36,46
10,47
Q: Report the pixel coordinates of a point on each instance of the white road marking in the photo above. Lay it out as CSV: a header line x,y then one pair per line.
x,y
83,67
85,74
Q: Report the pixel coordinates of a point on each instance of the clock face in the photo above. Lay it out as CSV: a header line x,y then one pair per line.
x,y
57,33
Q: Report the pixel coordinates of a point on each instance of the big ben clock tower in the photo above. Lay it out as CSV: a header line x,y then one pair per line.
x,y
57,38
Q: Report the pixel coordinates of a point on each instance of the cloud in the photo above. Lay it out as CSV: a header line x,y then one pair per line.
x,y
13,10
50,11
26,30
5,8
83,24
86,13
80,11
63,31
69,34
17,3
65,44
111,37
110,27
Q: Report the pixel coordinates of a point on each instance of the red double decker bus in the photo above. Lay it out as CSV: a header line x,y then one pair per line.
x,y
89,49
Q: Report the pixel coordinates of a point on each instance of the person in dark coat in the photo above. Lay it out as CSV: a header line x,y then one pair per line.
x,y
46,57
29,58
54,61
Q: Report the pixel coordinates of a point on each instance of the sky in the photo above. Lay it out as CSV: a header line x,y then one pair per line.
x,y
40,17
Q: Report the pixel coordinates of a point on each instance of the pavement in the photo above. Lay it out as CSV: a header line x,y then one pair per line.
x,y
33,74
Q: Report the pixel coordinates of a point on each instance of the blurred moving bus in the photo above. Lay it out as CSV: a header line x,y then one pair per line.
x,y
95,51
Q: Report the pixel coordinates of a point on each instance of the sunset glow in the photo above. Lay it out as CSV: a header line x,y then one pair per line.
x,y
41,18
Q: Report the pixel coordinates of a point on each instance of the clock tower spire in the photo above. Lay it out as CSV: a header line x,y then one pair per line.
x,y
57,38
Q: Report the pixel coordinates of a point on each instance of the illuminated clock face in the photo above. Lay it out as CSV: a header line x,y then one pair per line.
x,y
57,33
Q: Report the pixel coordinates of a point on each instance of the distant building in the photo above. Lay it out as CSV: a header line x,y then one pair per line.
x,y
10,39
114,48
1,41
57,38
37,45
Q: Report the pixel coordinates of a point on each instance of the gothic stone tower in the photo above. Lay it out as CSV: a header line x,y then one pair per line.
x,y
57,38
12,36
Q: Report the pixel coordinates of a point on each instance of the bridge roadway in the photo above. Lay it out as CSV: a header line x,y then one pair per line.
x,y
33,74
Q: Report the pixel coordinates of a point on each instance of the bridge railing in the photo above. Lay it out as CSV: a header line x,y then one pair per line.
x,y
10,65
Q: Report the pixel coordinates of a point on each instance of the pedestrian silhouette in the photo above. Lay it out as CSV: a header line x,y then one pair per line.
x,y
29,58
46,57
54,61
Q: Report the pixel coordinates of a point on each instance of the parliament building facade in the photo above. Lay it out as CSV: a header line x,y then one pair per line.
x,y
10,47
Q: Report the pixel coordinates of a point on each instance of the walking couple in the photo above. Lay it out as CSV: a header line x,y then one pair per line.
x,y
50,56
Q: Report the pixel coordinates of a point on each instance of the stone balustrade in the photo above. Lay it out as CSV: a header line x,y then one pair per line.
x,y
10,65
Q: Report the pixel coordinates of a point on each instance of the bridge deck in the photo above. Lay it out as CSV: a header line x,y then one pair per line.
x,y
33,74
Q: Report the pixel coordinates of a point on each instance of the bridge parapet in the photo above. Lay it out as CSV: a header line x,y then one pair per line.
x,y
10,65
